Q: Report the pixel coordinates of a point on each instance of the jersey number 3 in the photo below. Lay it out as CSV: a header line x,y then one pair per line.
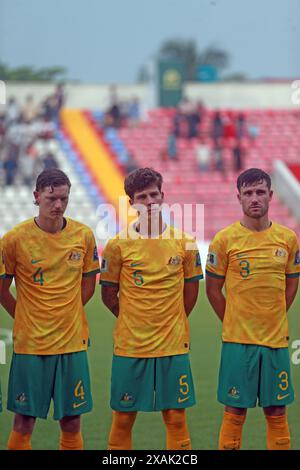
x,y
245,268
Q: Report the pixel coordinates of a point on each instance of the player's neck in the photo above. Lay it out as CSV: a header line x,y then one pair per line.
x,y
256,225
49,225
152,229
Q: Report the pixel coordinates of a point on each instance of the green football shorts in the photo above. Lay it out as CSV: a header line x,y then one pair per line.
x,y
35,379
250,373
151,384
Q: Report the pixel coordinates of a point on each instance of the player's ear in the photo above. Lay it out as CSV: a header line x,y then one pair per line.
x,y
162,196
271,194
36,198
238,195
131,201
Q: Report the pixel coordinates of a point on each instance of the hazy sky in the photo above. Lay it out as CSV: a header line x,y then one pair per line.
x,y
107,41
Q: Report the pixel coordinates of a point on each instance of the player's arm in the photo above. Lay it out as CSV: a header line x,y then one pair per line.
x,y
90,268
291,287
192,274
88,284
7,299
292,272
190,295
215,295
111,265
110,297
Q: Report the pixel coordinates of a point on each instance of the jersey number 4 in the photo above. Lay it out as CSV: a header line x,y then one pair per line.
x,y
38,277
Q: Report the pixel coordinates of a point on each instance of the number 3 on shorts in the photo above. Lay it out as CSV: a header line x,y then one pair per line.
x,y
284,378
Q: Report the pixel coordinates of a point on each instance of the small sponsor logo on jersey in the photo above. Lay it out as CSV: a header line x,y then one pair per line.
x,y
212,259
95,254
280,253
233,392
198,260
127,400
174,260
297,257
104,265
75,256
136,263
21,398
242,255
35,261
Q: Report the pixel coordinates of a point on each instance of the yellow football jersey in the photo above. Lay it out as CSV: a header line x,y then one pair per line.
x,y
255,266
2,267
151,273
48,270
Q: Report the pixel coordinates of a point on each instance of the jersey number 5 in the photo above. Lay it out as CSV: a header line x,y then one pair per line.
x,y
138,278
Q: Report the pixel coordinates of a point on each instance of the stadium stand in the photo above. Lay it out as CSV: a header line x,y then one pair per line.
x,y
97,157
278,138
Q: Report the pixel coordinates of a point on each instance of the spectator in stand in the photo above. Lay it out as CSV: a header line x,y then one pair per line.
x,y
115,115
2,127
59,97
238,154
12,113
26,168
49,161
217,130
193,120
49,108
10,164
218,156
177,123
203,155
29,111
133,112
240,126
229,131
253,131
172,146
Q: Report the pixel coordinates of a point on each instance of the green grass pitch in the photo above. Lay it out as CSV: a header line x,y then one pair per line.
x,y
204,419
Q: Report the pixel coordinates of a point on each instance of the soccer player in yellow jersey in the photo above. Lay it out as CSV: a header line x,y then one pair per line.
x,y
2,276
258,262
54,262
149,276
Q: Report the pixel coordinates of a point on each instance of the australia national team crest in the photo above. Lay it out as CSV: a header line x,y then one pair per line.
x,y
174,260
127,400
281,253
21,399
104,265
212,259
95,254
75,256
233,392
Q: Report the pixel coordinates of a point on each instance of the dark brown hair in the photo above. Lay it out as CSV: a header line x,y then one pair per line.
x,y
52,178
252,176
140,179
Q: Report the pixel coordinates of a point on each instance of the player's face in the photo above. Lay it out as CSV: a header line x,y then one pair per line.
x,y
150,197
255,199
52,201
